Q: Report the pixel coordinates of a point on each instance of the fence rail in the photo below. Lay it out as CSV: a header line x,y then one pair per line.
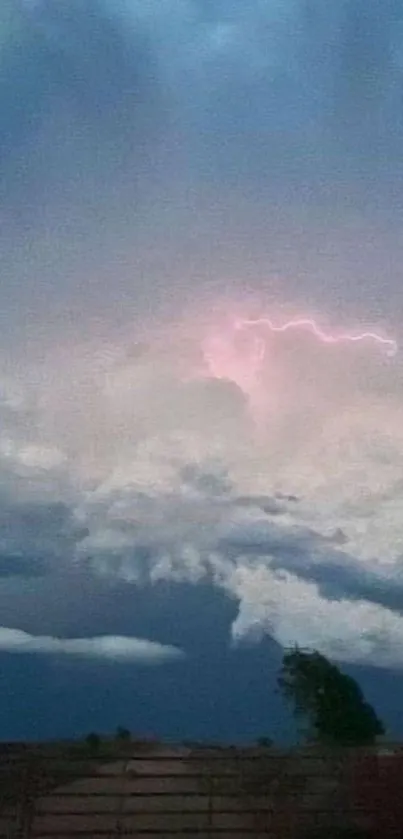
x,y
171,791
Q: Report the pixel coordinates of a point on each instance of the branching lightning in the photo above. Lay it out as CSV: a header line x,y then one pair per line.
x,y
389,344
238,352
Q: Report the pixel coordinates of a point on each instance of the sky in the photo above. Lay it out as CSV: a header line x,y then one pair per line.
x,y
201,381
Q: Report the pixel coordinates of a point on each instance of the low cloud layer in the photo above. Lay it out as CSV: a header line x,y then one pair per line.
x,y
107,648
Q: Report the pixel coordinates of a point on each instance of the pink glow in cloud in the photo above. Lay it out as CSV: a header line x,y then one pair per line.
x,y
237,353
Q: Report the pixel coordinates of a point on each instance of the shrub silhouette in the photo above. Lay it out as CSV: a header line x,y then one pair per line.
x,y
93,742
122,734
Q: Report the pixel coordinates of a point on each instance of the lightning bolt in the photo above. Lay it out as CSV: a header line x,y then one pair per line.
x,y
309,324
238,353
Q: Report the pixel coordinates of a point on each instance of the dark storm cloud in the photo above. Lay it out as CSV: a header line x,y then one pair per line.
x,y
13,565
314,558
266,503
217,482
214,483
308,91
265,538
35,537
144,145
341,577
260,109
271,88
79,122
349,582
367,59
74,55
148,152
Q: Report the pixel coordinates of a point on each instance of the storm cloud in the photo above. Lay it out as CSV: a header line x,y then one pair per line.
x,y
167,169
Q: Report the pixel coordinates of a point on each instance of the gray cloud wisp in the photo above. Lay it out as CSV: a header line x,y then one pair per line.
x,y
103,648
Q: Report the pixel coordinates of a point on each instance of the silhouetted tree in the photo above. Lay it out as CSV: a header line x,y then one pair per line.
x,y
331,702
93,742
122,735
264,742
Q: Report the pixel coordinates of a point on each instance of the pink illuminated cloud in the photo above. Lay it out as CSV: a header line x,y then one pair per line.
x,y
238,352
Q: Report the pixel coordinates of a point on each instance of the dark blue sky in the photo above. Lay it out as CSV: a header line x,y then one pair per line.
x,y
185,491
218,694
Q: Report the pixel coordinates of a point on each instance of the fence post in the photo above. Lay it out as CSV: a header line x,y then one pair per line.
x,y
26,809
210,817
121,800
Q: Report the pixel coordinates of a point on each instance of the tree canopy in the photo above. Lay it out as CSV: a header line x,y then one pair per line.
x,y
330,701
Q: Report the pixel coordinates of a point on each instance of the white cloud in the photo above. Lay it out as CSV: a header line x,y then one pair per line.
x,y
152,458
293,610
109,647
31,456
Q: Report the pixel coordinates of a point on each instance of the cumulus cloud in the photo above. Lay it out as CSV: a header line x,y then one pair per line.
x,y
293,610
108,648
163,474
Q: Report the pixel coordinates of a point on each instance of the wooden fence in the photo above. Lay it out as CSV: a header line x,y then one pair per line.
x,y
166,791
